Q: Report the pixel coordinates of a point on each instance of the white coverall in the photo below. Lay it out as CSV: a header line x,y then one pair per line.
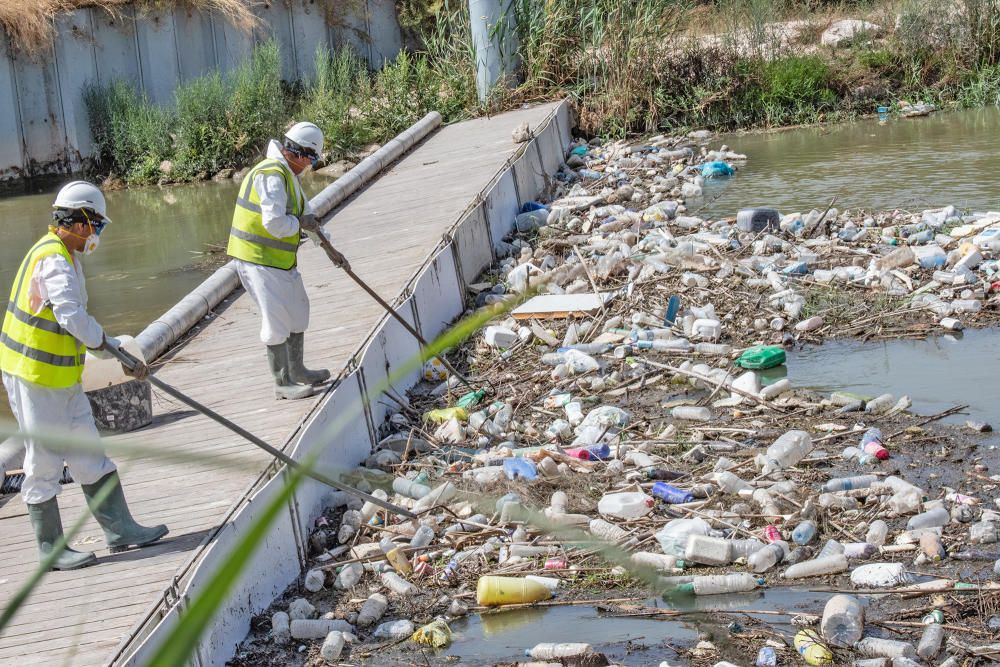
x,y
39,408
279,294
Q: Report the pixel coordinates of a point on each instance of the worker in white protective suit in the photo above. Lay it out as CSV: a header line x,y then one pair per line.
x,y
271,212
43,344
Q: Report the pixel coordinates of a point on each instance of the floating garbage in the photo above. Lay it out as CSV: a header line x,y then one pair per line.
x,y
634,435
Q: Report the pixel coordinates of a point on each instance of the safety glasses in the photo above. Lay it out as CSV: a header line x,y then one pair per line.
x,y
299,151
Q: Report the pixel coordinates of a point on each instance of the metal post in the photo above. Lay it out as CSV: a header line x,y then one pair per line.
x,y
494,37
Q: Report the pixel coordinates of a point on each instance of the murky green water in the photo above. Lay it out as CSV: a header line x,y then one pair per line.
x,y
945,158
937,373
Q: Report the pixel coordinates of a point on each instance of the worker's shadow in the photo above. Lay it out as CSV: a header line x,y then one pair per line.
x,y
168,545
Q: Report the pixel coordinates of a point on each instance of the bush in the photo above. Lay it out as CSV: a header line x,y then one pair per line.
x,y
334,100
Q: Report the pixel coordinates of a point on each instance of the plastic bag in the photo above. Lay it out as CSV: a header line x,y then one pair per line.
x,y
436,634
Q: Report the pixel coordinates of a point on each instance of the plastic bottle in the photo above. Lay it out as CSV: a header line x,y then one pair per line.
x,y
831,548
817,567
932,547
938,516
519,468
859,456
397,584
828,500
372,610
332,647
673,537
849,483
983,532
786,451
880,575
629,505
930,641
729,482
349,576
492,591
770,555
721,584
859,550
885,648
663,562
766,657
607,531
671,494
804,532
369,509
438,496
811,648
877,532
409,488
553,651
871,443
843,621
746,548
708,550
691,413
777,389
394,629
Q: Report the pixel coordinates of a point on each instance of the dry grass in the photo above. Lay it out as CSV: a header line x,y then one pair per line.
x,y
30,26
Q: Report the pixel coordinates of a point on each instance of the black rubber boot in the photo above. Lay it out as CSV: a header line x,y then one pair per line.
x,y
297,371
120,530
47,523
277,358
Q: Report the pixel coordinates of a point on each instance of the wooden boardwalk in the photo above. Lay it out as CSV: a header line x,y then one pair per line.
x,y
86,617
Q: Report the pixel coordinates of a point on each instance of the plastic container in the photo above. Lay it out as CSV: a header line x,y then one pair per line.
x,y
671,494
930,641
767,557
607,531
372,610
877,532
786,451
730,482
880,575
708,550
629,505
938,516
849,483
755,220
831,548
492,591
673,537
858,456
721,584
885,648
409,488
762,357
520,468
843,621
394,629
859,550
691,413
804,532
817,567
932,547
810,646
553,651
871,443
662,562
333,646
398,585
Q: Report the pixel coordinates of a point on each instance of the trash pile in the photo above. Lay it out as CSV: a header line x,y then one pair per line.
x,y
626,440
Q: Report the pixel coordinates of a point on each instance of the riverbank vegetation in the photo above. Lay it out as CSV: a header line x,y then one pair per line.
x,y
631,67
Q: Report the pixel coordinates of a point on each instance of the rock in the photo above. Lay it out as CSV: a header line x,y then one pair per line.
x,y
575,161
458,608
700,135
280,631
368,150
223,175
978,427
843,32
394,629
166,166
522,133
336,169
300,608
240,174
314,580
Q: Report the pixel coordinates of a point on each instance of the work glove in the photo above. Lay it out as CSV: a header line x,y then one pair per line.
x,y
337,258
309,223
140,371
101,351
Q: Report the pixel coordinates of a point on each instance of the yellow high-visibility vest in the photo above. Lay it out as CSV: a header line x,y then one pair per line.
x,y
33,346
249,240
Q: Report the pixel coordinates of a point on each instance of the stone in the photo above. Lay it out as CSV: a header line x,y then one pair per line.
x,y
458,608
368,150
166,166
522,133
300,608
240,174
280,631
336,169
314,580
843,32
223,175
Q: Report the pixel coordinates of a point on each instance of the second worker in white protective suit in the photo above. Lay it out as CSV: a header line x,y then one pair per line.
x,y
271,212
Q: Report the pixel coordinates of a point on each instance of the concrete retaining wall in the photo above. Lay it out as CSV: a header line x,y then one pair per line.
x,y
343,427
43,122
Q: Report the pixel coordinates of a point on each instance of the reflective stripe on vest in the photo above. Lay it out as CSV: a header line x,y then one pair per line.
x,y
34,347
249,240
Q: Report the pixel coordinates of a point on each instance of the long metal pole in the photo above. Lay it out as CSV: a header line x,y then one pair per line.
x,y
328,249
130,363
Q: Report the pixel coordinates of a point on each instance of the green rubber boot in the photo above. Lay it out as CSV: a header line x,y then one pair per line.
x,y
297,371
284,387
120,530
47,523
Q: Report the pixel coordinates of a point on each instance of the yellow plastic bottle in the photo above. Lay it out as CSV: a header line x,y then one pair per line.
x,y
442,415
497,591
812,649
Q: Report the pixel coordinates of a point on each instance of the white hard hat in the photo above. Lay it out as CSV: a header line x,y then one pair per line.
x,y
306,135
81,194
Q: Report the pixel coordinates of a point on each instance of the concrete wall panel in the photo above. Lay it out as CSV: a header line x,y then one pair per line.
x,y
195,42
475,247
501,207
115,45
11,154
383,28
37,93
528,174
76,61
309,31
158,54
276,22
438,294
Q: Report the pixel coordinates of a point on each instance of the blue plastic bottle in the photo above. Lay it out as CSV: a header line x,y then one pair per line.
x,y
518,468
804,533
671,494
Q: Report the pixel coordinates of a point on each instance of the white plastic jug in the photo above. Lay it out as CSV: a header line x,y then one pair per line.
x,y
629,505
